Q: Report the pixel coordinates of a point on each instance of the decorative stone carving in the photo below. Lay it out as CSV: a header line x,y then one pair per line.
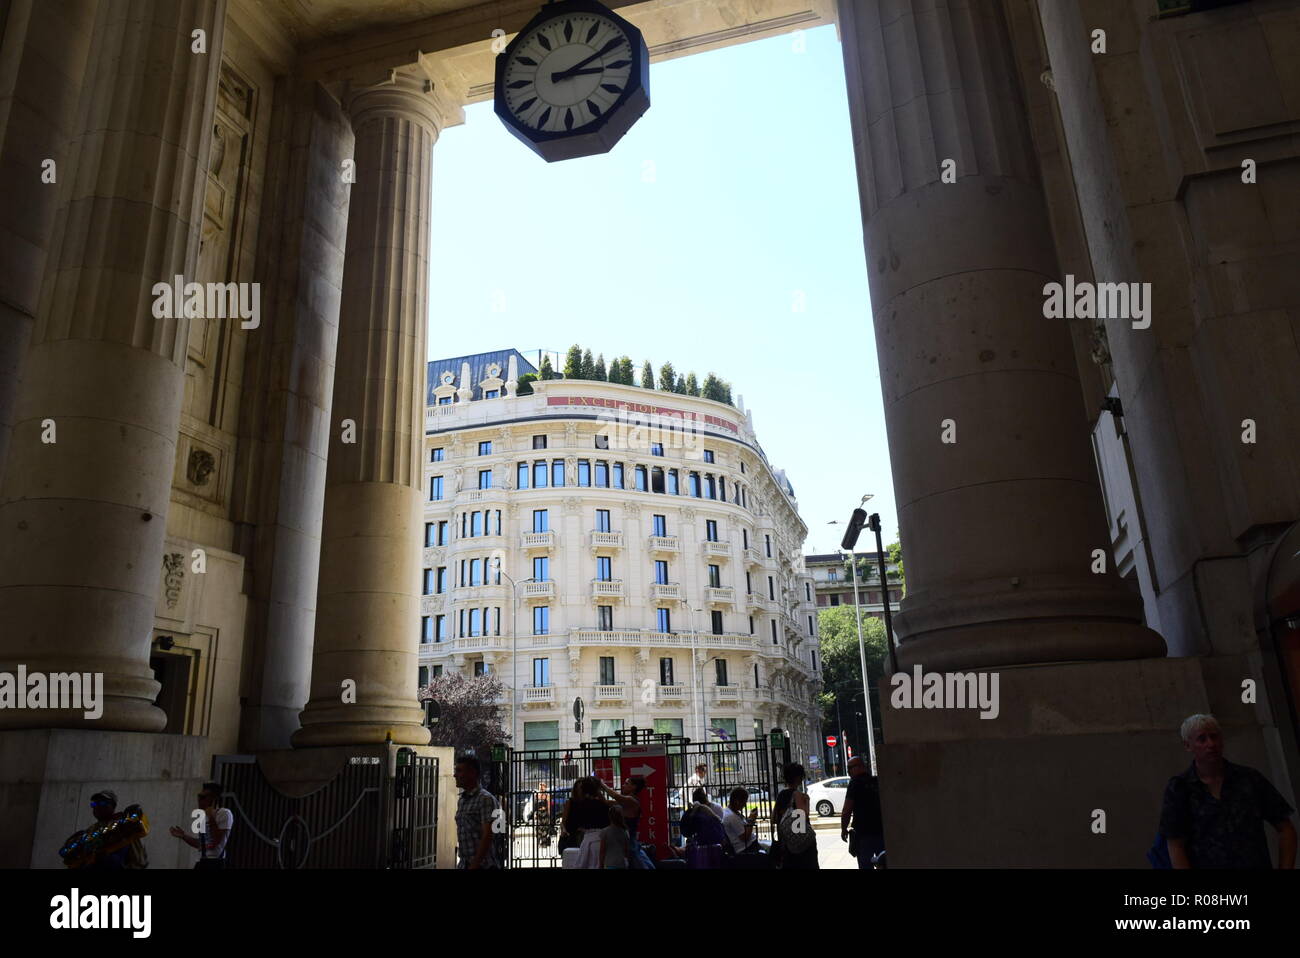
x,y
632,510
571,434
688,516
512,376
174,567
571,469
200,466
572,506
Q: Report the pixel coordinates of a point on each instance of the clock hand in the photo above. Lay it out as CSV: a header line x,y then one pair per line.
x,y
608,47
568,75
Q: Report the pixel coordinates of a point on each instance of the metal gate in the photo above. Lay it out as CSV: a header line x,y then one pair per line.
x,y
536,784
415,812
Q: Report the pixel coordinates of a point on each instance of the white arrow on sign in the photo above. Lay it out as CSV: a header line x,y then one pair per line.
x,y
645,771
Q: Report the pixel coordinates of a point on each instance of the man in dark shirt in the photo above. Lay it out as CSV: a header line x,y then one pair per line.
x,y
862,813
1213,814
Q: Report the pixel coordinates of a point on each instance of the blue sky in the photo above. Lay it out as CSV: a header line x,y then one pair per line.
x,y
722,233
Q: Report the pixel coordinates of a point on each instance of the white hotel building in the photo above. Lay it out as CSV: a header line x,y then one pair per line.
x,y
653,573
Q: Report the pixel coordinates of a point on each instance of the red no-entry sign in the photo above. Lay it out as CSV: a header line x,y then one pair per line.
x,y
831,741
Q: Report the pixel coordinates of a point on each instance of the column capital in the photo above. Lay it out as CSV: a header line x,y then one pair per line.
x,y
411,91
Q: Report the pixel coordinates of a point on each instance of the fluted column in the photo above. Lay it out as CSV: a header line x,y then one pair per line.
x,y
999,526
367,610
82,519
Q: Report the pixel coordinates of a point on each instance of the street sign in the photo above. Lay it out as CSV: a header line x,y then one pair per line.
x,y
831,741
651,763
603,769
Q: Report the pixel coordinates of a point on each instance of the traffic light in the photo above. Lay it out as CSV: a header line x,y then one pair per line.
x,y
854,530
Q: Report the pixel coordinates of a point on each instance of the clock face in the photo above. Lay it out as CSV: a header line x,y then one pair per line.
x,y
567,72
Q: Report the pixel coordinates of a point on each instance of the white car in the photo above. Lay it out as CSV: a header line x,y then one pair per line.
x,y
827,796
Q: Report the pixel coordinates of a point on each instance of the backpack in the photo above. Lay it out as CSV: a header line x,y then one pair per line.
x,y
795,831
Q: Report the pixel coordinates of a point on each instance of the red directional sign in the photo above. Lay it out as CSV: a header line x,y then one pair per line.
x,y
831,740
650,762
603,769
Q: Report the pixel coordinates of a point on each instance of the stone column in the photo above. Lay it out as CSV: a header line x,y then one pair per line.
x,y
84,517
999,527
42,63
367,612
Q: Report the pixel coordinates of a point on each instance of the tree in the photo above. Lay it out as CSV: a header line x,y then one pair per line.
x,y
469,715
895,552
726,394
712,388
692,384
680,386
842,668
526,384
601,373
667,377
588,365
546,371
573,363
647,376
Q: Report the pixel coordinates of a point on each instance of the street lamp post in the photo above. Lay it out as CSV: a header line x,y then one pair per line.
x,y
862,654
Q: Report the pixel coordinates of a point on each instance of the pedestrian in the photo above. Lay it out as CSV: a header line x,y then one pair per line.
x,y
861,824
614,844
742,837
1213,814
701,826
586,814
797,842
119,837
476,813
698,779
216,823
629,799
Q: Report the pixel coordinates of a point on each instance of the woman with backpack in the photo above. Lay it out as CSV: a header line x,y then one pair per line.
x,y
796,841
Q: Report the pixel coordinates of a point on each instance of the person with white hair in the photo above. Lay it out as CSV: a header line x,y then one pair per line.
x,y
1213,814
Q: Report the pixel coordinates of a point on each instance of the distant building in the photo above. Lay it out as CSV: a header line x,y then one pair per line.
x,y
833,583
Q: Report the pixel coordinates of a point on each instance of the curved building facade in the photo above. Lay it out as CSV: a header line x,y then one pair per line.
x,y
627,547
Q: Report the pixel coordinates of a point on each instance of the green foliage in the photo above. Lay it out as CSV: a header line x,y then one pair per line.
x,y
546,370
573,363
667,378
842,664
692,384
601,373
526,384
588,365
895,552
647,376
625,373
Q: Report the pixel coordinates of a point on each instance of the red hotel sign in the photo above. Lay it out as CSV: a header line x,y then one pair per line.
x,y
640,407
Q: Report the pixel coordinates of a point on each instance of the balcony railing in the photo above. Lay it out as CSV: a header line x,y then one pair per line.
x,y
539,694
726,693
663,544
607,588
538,540
539,590
716,550
472,642
606,540
611,693
720,595
753,558
661,591
652,639
670,693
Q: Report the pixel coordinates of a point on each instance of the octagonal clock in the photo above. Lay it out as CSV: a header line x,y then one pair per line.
x,y
573,81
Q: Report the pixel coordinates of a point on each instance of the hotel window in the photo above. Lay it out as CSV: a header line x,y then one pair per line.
x,y
749,582
521,475
485,478
722,488
710,488
605,618
814,659
663,621
497,617
541,520
607,670
742,467
602,520
832,575
604,569
768,545
618,475
602,440
541,568
439,628
665,671
464,518
557,472
435,488
711,530
774,642
758,723
475,622
492,394
807,591
810,625
584,472
498,522
693,484
661,572
660,526
437,671
771,589
426,630
751,627
460,623
657,480
720,667
673,489
671,727
539,474
442,532
440,580
436,455
424,676
602,474
428,534
640,479
541,619
656,448
481,667
428,581
835,598
541,673
485,448
744,498
444,401
539,442
715,577
708,455
744,537
476,571
476,524
541,736
716,617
